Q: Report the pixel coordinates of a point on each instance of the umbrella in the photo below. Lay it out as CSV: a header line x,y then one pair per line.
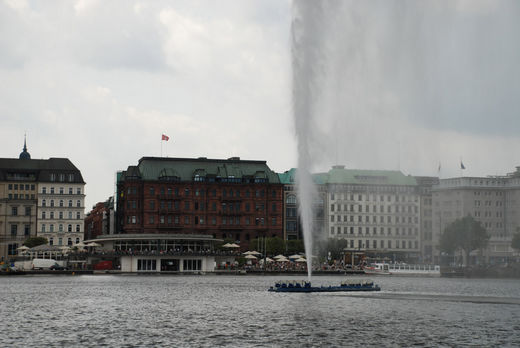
x,y
248,253
23,248
301,259
255,253
268,260
295,256
80,245
251,257
279,256
282,259
231,245
93,244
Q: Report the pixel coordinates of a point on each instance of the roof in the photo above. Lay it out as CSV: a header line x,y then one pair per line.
x,y
39,170
186,169
289,177
340,175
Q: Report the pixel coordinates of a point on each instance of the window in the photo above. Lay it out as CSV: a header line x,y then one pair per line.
x,y
51,215
61,190
14,211
52,190
78,215
70,190
51,241
78,191
60,228
51,228
44,190
11,249
52,202
61,202
70,202
69,228
69,241
152,190
43,228
152,205
60,241
14,230
78,203
61,215
146,265
78,229
44,203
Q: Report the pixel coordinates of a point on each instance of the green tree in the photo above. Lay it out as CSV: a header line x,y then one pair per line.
x,y
295,246
515,243
464,234
335,247
34,241
275,245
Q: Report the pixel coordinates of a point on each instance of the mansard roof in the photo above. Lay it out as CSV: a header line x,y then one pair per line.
x,y
39,170
188,169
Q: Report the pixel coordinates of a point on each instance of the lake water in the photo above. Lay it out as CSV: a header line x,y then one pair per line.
x,y
237,311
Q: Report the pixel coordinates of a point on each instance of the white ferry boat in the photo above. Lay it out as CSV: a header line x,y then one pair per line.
x,y
415,270
383,268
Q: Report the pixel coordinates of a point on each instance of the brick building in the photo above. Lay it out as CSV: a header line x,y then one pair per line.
x,y
100,220
226,199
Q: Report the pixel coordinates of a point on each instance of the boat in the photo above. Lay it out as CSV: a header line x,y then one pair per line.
x,y
378,268
305,286
415,270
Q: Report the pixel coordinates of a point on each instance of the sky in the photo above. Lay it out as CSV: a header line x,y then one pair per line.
x,y
417,84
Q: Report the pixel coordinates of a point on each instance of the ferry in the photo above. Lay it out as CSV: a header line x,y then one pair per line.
x,y
415,270
377,268
305,286
402,269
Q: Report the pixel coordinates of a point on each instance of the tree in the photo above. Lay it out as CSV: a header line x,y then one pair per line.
x,y
295,246
464,234
515,243
34,241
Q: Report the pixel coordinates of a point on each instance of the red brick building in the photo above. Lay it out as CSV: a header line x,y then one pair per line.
x,y
99,220
227,199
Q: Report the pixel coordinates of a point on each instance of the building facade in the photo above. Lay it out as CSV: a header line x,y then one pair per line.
x,y
376,211
230,199
100,220
425,186
38,194
494,201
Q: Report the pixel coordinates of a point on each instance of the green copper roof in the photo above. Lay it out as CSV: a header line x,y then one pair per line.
x,y
340,175
289,177
186,169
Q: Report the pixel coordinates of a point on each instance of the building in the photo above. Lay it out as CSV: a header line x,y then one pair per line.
x,y
100,220
39,198
492,200
376,211
231,199
425,185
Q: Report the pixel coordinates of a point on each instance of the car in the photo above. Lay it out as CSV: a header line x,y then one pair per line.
x,y
57,267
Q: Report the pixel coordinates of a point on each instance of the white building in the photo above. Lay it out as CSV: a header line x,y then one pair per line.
x,y
494,201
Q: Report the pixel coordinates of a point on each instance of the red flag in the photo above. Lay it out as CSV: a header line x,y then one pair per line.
x,y
165,137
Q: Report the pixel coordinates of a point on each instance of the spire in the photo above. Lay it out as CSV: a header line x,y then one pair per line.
x,y
25,154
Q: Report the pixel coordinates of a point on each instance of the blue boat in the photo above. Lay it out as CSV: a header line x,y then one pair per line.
x,y
305,286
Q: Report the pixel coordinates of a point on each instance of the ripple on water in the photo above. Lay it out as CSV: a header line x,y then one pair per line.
x,y
208,311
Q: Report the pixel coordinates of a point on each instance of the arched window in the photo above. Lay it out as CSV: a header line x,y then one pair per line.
x,y
51,241
69,241
291,199
69,228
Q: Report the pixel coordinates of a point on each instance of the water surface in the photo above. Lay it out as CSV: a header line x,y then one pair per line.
x,y
237,311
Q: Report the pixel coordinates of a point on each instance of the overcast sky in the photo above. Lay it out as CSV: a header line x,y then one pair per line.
x,y
100,81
